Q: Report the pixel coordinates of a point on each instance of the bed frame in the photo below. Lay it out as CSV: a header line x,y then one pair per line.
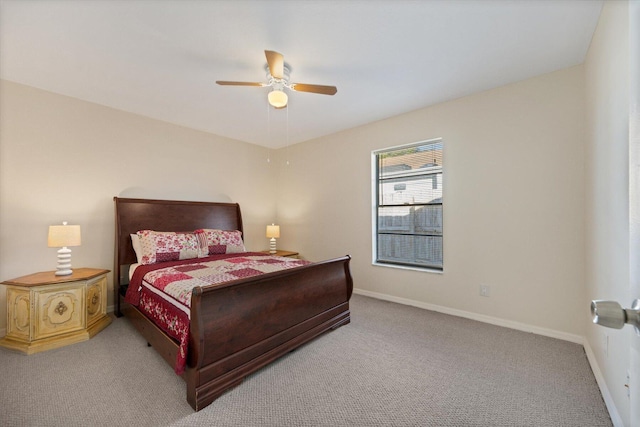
x,y
238,327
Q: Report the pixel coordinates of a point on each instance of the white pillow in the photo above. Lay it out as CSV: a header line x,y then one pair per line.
x,y
137,248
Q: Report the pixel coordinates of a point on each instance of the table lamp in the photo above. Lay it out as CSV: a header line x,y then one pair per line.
x,y
273,232
61,236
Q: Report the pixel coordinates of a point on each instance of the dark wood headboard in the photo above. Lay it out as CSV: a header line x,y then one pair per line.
x,y
133,215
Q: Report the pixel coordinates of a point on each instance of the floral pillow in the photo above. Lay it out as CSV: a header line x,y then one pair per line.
x,y
159,246
214,242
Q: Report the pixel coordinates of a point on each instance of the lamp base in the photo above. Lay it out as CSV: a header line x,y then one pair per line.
x,y
64,272
64,262
272,245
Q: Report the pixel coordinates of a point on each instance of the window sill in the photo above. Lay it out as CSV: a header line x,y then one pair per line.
x,y
406,267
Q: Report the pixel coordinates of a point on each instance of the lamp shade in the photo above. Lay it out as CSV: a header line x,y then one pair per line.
x,y
63,235
278,98
273,231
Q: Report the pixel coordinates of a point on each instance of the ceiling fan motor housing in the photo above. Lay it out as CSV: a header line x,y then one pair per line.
x,y
279,84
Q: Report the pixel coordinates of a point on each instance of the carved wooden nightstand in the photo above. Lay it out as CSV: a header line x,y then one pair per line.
x,y
45,311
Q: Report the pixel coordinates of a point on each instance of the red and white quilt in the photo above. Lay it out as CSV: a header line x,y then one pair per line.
x,y
163,291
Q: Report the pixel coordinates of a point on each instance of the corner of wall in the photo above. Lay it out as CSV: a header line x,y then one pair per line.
x,y
602,384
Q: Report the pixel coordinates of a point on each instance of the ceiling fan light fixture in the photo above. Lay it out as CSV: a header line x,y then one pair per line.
x,y
277,72
278,99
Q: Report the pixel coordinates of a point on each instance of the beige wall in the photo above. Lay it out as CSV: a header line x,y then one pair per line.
x,y
607,207
513,202
65,159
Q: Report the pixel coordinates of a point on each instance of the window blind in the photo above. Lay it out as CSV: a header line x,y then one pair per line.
x,y
409,205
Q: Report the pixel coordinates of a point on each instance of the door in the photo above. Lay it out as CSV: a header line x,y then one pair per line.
x,y
634,201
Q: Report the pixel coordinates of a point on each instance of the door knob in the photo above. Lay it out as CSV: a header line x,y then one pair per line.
x,y
612,315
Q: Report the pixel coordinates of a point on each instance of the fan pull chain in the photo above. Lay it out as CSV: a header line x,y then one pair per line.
x,y
287,146
268,133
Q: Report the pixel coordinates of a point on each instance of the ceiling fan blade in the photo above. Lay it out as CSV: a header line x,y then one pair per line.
x,y
225,83
324,90
276,63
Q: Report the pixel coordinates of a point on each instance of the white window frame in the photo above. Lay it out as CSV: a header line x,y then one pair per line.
x,y
374,209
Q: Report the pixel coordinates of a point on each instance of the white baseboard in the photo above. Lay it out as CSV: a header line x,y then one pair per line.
x,y
604,390
475,316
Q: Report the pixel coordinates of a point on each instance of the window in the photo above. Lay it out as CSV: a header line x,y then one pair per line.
x,y
408,206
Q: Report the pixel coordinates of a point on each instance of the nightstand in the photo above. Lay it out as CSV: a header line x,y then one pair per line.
x,y
283,253
45,311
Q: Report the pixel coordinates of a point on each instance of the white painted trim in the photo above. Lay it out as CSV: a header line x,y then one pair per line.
x,y
604,390
406,267
475,316
110,309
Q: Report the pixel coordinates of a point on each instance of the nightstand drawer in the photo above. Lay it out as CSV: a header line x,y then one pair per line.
x,y
59,310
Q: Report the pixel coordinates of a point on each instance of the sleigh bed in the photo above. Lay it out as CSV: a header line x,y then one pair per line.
x,y
234,327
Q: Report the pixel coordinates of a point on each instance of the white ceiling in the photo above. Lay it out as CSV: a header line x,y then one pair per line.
x,y
161,58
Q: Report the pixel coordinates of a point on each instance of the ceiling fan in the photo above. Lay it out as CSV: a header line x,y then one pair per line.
x,y
278,73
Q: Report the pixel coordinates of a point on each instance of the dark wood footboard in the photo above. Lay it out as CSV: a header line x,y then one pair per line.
x,y
239,327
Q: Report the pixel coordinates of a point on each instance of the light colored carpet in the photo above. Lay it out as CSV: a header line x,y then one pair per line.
x,y
392,366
